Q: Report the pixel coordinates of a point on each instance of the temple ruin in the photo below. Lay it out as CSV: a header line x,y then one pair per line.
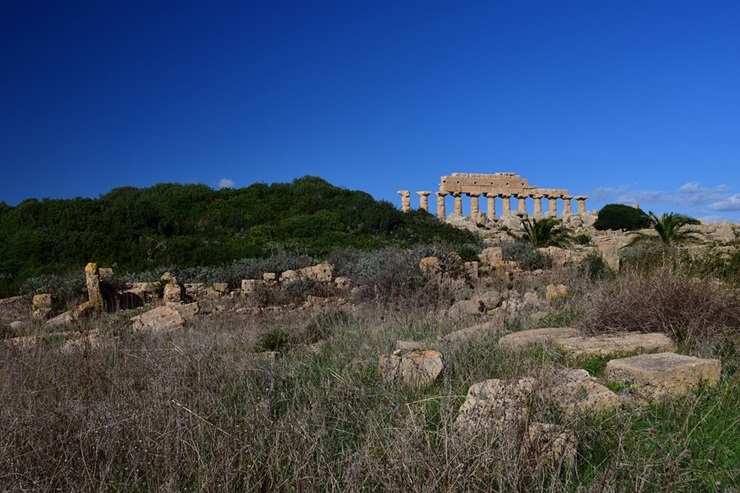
x,y
495,186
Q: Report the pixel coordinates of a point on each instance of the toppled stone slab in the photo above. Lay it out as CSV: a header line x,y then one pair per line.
x,y
430,267
160,319
524,339
496,405
615,345
577,392
480,303
472,333
663,374
61,319
417,368
409,345
550,446
187,310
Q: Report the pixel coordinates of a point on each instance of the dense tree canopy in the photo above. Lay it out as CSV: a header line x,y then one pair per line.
x,y
136,229
620,216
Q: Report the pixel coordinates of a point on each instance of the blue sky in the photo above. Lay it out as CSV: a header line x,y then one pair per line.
x,y
625,101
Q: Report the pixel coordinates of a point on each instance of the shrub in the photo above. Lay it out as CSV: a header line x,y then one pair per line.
x,y
528,257
619,216
274,340
662,300
582,239
646,255
594,267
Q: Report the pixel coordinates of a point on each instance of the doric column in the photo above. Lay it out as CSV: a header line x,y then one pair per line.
x,y
522,204
441,212
473,206
491,205
405,200
458,204
581,201
567,206
505,200
552,205
423,200
537,197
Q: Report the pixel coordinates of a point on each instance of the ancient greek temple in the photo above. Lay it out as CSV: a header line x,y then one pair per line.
x,y
496,187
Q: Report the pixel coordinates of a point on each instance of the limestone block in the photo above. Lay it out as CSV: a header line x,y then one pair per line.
x,y
550,446
409,345
343,283
576,392
323,272
41,306
417,368
16,325
471,272
663,374
221,287
92,281
467,307
430,266
160,319
492,256
614,345
496,405
289,277
472,333
188,310
556,292
527,338
249,286
270,279
61,319
172,293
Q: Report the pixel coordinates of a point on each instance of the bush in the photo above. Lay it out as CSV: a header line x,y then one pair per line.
x,y
646,255
662,300
274,340
594,267
619,216
582,239
528,257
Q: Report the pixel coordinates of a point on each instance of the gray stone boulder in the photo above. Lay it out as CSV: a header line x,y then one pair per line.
x,y
416,368
576,392
500,406
653,376
525,339
615,345
161,319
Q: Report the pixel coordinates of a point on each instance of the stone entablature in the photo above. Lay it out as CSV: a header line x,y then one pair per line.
x,y
492,186
494,183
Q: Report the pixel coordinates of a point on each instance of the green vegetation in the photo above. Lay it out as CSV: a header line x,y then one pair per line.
x,y
619,216
671,228
545,232
528,257
141,229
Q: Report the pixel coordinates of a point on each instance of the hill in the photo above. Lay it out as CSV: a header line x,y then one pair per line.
x,y
135,229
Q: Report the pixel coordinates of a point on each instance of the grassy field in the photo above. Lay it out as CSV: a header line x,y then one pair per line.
x,y
198,410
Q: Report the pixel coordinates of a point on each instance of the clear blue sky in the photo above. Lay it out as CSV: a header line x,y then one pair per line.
x,y
635,101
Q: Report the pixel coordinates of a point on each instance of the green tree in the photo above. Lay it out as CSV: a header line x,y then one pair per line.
x,y
620,216
671,228
545,232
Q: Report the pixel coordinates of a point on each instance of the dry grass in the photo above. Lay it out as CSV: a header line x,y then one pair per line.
x,y
662,300
197,410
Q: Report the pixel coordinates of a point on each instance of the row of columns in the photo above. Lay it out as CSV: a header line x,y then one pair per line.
x,y
491,203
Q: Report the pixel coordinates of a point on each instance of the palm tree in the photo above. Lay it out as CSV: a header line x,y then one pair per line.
x,y
544,232
671,228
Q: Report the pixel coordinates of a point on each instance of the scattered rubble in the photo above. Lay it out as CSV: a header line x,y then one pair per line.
x,y
415,368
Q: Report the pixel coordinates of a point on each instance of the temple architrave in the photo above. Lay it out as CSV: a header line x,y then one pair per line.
x,y
492,186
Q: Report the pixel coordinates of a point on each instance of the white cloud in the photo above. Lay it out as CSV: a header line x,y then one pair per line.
x,y
691,193
226,183
731,203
